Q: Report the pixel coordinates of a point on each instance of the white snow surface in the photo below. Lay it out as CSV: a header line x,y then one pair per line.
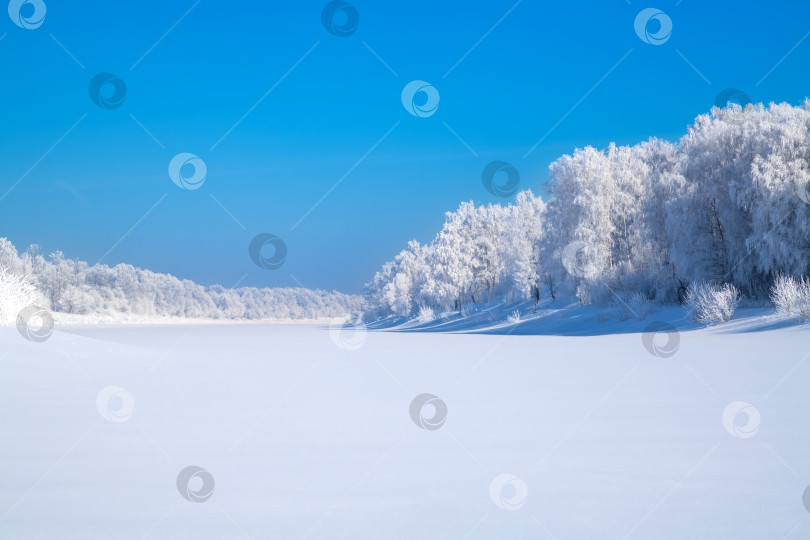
x,y
308,439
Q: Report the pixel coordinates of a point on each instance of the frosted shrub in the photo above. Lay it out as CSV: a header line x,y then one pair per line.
x,y
15,294
712,304
791,296
426,314
633,304
514,317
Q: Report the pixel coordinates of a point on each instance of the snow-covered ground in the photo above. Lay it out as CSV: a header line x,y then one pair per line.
x,y
300,431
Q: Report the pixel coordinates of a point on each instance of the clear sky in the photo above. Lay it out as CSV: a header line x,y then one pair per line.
x,y
304,134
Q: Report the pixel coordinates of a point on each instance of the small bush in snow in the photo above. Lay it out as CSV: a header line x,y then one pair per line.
x,y
712,304
633,304
514,317
791,296
426,314
15,294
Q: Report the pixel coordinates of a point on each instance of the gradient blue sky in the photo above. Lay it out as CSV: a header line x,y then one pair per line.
x,y
511,90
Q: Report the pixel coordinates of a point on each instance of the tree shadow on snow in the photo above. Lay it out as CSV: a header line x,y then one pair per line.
x,y
560,319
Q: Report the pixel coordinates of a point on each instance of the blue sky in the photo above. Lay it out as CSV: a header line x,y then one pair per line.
x,y
564,74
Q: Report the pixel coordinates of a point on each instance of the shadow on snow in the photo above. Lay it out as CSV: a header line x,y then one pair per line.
x,y
560,318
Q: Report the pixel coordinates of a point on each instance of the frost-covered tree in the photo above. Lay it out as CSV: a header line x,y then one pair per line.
x,y
398,285
738,217
519,244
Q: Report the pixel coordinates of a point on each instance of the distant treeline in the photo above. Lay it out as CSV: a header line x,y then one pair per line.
x,y
73,286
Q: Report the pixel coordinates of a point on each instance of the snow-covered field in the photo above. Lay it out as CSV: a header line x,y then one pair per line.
x,y
303,432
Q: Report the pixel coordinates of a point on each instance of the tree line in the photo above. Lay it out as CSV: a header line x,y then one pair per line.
x,y
729,204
